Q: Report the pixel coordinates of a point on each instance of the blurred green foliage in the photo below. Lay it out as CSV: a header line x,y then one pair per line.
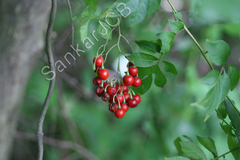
x,y
148,131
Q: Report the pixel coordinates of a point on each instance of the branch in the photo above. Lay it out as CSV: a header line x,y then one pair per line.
x,y
59,143
52,82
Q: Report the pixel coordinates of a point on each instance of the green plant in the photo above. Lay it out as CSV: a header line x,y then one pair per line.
x,y
150,64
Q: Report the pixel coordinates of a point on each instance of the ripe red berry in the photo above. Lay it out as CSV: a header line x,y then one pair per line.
x,y
120,113
133,71
98,61
111,99
132,103
119,98
111,90
137,82
113,107
128,80
124,106
106,84
137,97
97,68
126,96
129,64
97,81
119,88
125,88
99,91
105,96
103,74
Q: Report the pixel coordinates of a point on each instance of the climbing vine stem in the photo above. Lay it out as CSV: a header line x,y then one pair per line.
x,y
52,82
201,50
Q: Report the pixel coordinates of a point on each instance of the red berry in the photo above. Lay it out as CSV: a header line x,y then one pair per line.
x,y
119,88
120,113
124,106
125,88
113,107
99,91
98,68
111,90
132,103
129,64
126,96
119,98
111,99
106,84
103,74
128,80
98,61
133,71
137,82
97,81
105,96
137,97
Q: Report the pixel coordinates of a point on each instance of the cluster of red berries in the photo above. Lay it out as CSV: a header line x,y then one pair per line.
x,y
119,95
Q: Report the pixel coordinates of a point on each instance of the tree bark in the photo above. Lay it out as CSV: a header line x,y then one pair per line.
x,y
22,26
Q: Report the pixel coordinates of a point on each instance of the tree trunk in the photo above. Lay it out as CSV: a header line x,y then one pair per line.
x,y
22,26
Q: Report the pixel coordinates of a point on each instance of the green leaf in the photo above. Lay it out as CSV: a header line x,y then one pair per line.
x,y
148,46
160,79
142,60
145,73
140,13
215,95
188,138
176,26
191,150
209,144
166,40
233,74
222,111
218,51
84,28
178,15
226,128
169,67
177,145
82,14
233,143
92,5
167,37
233,116
176,158
153,6
107,34
145,86
210,78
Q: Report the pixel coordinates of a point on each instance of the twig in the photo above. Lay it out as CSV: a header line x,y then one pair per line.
x,y
59,143
52,82
202,52
70,11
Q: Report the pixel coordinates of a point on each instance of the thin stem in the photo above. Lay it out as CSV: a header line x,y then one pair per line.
x,y
127,42
226,153
119,38
199,47
52,82
201,50
70,11
194,40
